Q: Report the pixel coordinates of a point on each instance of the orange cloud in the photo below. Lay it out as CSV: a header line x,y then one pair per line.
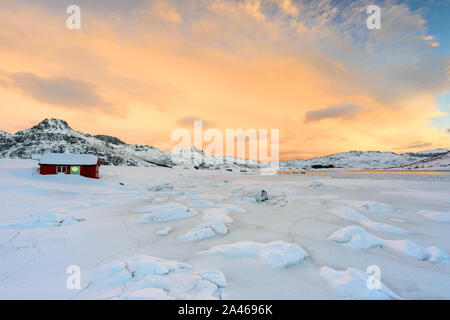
x,y
232,66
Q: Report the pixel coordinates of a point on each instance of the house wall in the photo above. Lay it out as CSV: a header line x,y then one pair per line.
x,y
90,171
47,169
85,171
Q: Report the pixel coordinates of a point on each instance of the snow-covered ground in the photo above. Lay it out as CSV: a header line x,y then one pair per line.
x,y
160,233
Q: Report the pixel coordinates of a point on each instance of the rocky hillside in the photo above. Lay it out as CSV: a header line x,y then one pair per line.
x,y
439,162
53,135
361,160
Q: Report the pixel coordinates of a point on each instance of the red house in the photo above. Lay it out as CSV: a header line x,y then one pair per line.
x,y
86,165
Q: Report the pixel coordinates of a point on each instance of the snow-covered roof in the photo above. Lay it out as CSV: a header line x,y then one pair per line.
x,y
68,159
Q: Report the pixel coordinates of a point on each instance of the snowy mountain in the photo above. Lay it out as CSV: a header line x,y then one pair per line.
x,y
201,160
52,135
4,134
360,160
433,152
56,136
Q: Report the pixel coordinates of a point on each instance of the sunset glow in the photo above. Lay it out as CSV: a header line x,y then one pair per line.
x,y
146,68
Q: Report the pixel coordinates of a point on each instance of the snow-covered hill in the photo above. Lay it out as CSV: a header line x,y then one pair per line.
x,y
53,135
433,152
4,134
361,160
202,160
439,162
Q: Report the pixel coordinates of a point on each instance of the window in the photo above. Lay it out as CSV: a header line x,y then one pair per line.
x,y
61,169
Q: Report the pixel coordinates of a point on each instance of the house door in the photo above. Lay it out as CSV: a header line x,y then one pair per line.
x,y
74,169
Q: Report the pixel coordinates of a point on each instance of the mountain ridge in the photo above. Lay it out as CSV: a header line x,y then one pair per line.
x,y
55,135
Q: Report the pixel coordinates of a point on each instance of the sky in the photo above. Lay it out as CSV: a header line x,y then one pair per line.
x,y
140,69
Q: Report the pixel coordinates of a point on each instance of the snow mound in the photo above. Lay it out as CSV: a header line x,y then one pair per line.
x,y
435,215
146,277
349,214
214,275
437,255
353,215
408,248
214,224
164,231
357,237
44,220
277,253
166,212
205,230
353,283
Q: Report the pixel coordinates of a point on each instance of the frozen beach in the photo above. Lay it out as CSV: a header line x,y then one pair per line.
x,y
160,233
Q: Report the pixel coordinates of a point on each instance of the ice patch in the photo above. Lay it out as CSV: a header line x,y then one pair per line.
x,y
200,196
352,283
358,237
229,208
201,204
277,253
217,214
205,230
353,215
147,294
325,197
43,220
146,277
397,220
372,206
407,247
161,187
349,214
145,209
166,212
435,215
320,185
379,226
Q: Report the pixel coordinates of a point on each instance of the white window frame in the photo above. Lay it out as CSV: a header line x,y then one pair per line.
x,y
59,169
